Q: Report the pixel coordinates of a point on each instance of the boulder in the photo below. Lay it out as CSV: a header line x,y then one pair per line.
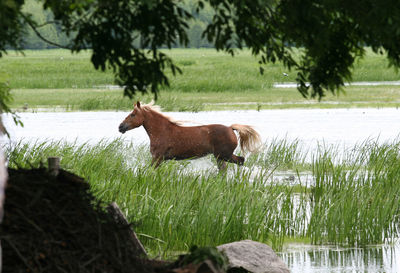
x,y
253,256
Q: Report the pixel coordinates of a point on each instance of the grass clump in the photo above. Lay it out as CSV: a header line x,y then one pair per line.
x,y
282,154
357,203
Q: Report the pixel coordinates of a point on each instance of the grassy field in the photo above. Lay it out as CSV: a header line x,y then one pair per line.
x,y
282,98
353,201
56,79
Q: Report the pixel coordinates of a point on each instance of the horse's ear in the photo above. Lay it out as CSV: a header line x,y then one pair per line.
x,y
138,104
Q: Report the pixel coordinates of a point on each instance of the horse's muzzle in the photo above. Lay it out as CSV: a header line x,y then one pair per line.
x,y
122,128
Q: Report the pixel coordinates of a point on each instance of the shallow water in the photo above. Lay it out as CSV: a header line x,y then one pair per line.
x,y
342,128
380,83
313,127
324,259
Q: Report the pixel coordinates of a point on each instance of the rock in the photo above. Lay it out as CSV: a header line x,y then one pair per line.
x,y
253,256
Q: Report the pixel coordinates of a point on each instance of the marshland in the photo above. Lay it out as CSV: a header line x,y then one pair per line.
x,y
333,194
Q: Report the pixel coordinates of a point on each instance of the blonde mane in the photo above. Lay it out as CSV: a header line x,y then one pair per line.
x,y
156,108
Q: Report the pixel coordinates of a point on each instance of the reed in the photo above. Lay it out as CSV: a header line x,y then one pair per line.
x,y
282,154
354,199
356,202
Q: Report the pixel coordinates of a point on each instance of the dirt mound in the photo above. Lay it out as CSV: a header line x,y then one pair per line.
x,y
54,224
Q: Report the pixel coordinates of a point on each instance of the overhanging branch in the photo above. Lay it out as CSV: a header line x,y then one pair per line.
x,y
34,28
46,23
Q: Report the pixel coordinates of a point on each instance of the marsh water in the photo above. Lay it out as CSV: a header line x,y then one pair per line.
x,y
342,128
324,259
339,127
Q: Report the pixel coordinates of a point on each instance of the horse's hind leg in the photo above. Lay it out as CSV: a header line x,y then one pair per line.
x,y
237,159
233,159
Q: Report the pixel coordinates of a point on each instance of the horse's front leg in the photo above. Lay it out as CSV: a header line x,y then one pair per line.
x,y
157,154
156,161
221,165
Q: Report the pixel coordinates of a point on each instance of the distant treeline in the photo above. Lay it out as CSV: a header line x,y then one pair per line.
x,y
54,33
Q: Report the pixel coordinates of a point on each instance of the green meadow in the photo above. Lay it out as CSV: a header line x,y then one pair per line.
x,y
275,98
59,80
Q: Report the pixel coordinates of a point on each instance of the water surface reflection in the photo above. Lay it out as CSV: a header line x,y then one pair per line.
x,y
313,127
306,258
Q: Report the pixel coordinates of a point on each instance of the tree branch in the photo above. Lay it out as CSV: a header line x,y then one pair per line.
x,y
46,23
32,25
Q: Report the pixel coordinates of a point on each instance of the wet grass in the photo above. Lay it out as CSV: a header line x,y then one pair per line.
x,y
354,199
360,196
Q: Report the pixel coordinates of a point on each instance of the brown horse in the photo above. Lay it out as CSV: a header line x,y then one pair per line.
x,y
170,140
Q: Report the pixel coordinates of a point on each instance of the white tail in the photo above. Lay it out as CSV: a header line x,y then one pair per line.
x,y
249,139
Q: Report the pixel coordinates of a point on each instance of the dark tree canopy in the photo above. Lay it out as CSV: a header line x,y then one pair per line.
x,y
11,25
126,35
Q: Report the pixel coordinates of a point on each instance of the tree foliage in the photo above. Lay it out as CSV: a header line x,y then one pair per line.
x,y
11,27
126,35
45,26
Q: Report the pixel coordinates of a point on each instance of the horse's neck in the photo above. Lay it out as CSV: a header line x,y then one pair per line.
x,y
155,124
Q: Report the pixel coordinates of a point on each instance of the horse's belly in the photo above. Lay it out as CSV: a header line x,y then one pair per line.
x,y
184,149
185,153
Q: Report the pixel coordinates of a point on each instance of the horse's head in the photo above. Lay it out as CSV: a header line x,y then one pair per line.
x,y
133,120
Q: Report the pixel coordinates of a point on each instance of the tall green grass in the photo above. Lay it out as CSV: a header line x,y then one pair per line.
x,y
172,207
282,154
357,199
353,201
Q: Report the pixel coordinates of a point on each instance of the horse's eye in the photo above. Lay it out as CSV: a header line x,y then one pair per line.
x,y
132,115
